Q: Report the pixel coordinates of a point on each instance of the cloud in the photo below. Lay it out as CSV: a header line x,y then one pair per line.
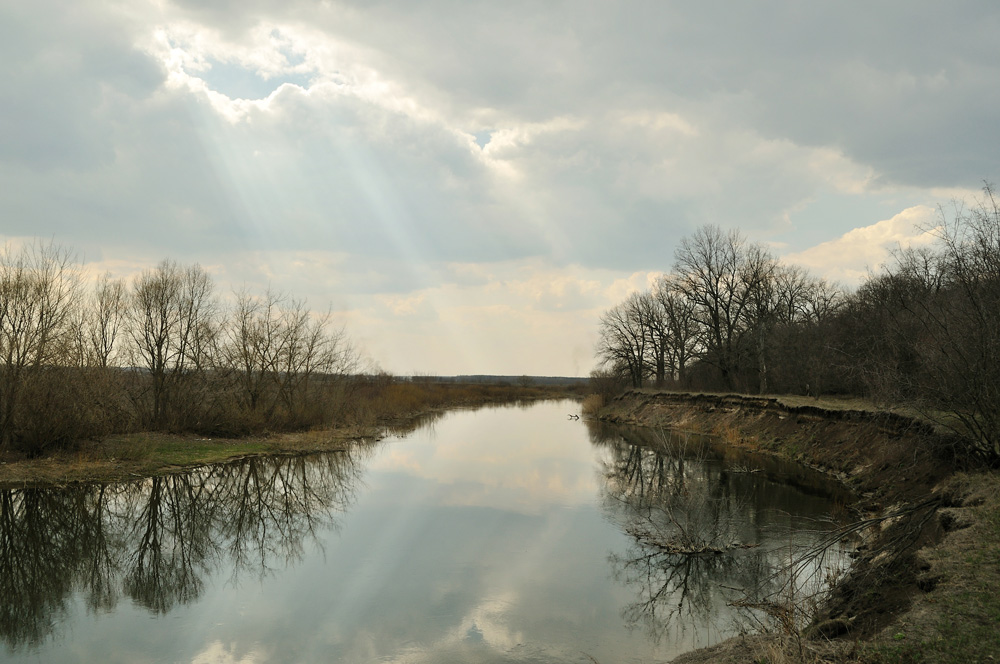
x,y
854,255
416,305
217,653
361,156
390,149
520,317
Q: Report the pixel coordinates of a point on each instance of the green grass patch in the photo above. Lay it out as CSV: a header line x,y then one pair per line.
x,y
194,451
161,450
967,604
958,642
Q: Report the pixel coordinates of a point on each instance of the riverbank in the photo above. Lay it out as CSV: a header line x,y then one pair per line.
x,y
923,588
143,454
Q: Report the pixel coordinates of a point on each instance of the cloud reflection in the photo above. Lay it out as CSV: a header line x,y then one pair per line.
x,y
480,461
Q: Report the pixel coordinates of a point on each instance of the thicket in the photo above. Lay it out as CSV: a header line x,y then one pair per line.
x,y
923,333
163,351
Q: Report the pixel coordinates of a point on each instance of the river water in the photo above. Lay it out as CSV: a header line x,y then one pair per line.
x,y
513,534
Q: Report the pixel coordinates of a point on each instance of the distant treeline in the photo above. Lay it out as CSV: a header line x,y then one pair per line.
x,y
924,332
490,379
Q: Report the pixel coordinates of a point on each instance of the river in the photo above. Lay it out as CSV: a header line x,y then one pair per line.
x,y
513,534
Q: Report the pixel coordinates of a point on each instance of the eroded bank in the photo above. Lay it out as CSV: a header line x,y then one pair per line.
x,y
918,522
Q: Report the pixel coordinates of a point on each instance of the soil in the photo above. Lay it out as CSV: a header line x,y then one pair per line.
x,y
923,520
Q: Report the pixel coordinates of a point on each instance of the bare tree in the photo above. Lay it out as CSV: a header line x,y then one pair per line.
x,y
281,354
172,324
623,342
652,318
105,319
802,352
950,301
313,352
724,278
199,322
759,289
37,286
252,345
681,328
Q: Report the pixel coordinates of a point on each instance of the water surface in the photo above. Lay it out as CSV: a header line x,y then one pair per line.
x,y
496,535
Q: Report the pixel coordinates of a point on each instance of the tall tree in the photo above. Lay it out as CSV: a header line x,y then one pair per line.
x,y
172,324
955,305
104,320
37,287
724,277
681,328
623,341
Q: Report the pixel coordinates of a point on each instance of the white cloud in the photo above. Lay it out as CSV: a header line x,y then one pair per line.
x,y
217,653
861,251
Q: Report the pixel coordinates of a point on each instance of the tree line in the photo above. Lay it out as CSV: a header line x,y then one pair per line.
x,y
923,332
161,350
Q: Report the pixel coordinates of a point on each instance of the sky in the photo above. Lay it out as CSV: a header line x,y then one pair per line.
x,y
467,185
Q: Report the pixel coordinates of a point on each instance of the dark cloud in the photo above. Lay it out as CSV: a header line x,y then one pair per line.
x,y
67,69
905,87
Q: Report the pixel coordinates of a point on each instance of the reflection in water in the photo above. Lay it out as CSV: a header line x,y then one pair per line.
x,y
484,536
710,532
155,541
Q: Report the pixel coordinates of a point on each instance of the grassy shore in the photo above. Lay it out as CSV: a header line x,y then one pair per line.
x,y
125,456
143,454
956,617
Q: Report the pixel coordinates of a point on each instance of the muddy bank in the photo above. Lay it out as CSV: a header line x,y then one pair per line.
x,y
908,498
884,457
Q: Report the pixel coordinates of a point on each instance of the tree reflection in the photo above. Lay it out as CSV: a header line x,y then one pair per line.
x,y
33,542
173,544
156,541
705,531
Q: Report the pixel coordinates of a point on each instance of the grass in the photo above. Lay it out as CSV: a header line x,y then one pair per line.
x,y
826,402
163,450
959,620
954,622
592,404
397,407
194,451
151,453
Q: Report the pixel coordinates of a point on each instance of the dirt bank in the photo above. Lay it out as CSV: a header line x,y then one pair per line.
x,y
884,457
914,570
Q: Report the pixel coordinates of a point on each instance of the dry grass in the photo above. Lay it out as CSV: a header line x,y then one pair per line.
x,y
786,650
952,619
955,618
592,404
395,406
151,453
